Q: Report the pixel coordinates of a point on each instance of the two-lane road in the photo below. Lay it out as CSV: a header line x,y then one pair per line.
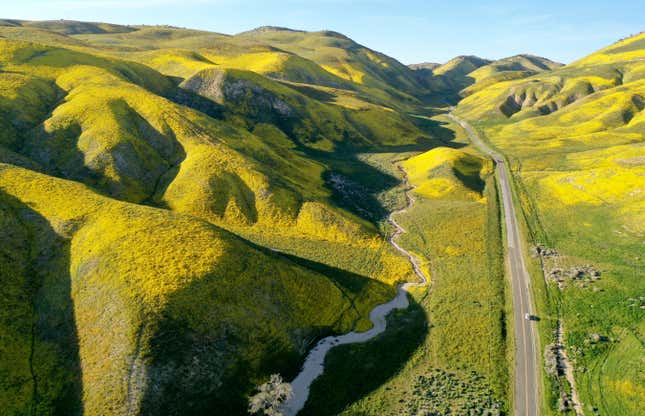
x,y
526,392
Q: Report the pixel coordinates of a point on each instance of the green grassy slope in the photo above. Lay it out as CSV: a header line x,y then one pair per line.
x,y
160,301
372,71
294,110
574,137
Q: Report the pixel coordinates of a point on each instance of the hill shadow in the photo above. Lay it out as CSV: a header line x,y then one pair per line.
x,y
445,89
355,184
59,155
311,92
49,335
355,370
348,281
212,367
472,182
442,135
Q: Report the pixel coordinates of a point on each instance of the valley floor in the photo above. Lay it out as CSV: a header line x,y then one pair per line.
x,y
314,364
447,353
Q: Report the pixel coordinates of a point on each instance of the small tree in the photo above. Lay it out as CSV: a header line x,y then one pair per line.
x,y
270,397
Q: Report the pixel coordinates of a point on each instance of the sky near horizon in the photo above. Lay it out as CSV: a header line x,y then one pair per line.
x,y
411,30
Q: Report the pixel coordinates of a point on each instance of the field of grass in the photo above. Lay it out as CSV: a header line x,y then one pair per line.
x,y
574,138
448,351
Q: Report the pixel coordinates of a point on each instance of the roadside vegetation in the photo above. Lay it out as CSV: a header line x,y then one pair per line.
x,y
575,143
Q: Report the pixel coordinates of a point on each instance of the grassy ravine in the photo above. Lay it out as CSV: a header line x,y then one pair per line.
x,y
459,361
574,138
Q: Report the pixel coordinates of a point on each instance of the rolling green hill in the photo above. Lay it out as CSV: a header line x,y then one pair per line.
x,y
464,75
227,164
184,213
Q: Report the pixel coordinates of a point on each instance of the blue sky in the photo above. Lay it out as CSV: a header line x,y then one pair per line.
x,y
411,31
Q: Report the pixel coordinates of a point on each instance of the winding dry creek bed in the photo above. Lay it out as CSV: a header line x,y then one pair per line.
x,y
314,364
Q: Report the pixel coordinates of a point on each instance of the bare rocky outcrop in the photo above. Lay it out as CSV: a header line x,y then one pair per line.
x,y
558,366
207,84
527,96
237,89
580,276
225,87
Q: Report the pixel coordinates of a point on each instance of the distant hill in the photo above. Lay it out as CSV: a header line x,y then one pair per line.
x,y
69,27
460,66
514,67
465,74
343,57
267,29
450,78
424,65
326,58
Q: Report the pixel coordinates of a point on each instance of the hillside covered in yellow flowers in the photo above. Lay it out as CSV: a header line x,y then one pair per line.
x,y
167,218
184,213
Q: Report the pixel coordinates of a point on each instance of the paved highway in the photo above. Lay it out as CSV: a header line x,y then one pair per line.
x,y
526,392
